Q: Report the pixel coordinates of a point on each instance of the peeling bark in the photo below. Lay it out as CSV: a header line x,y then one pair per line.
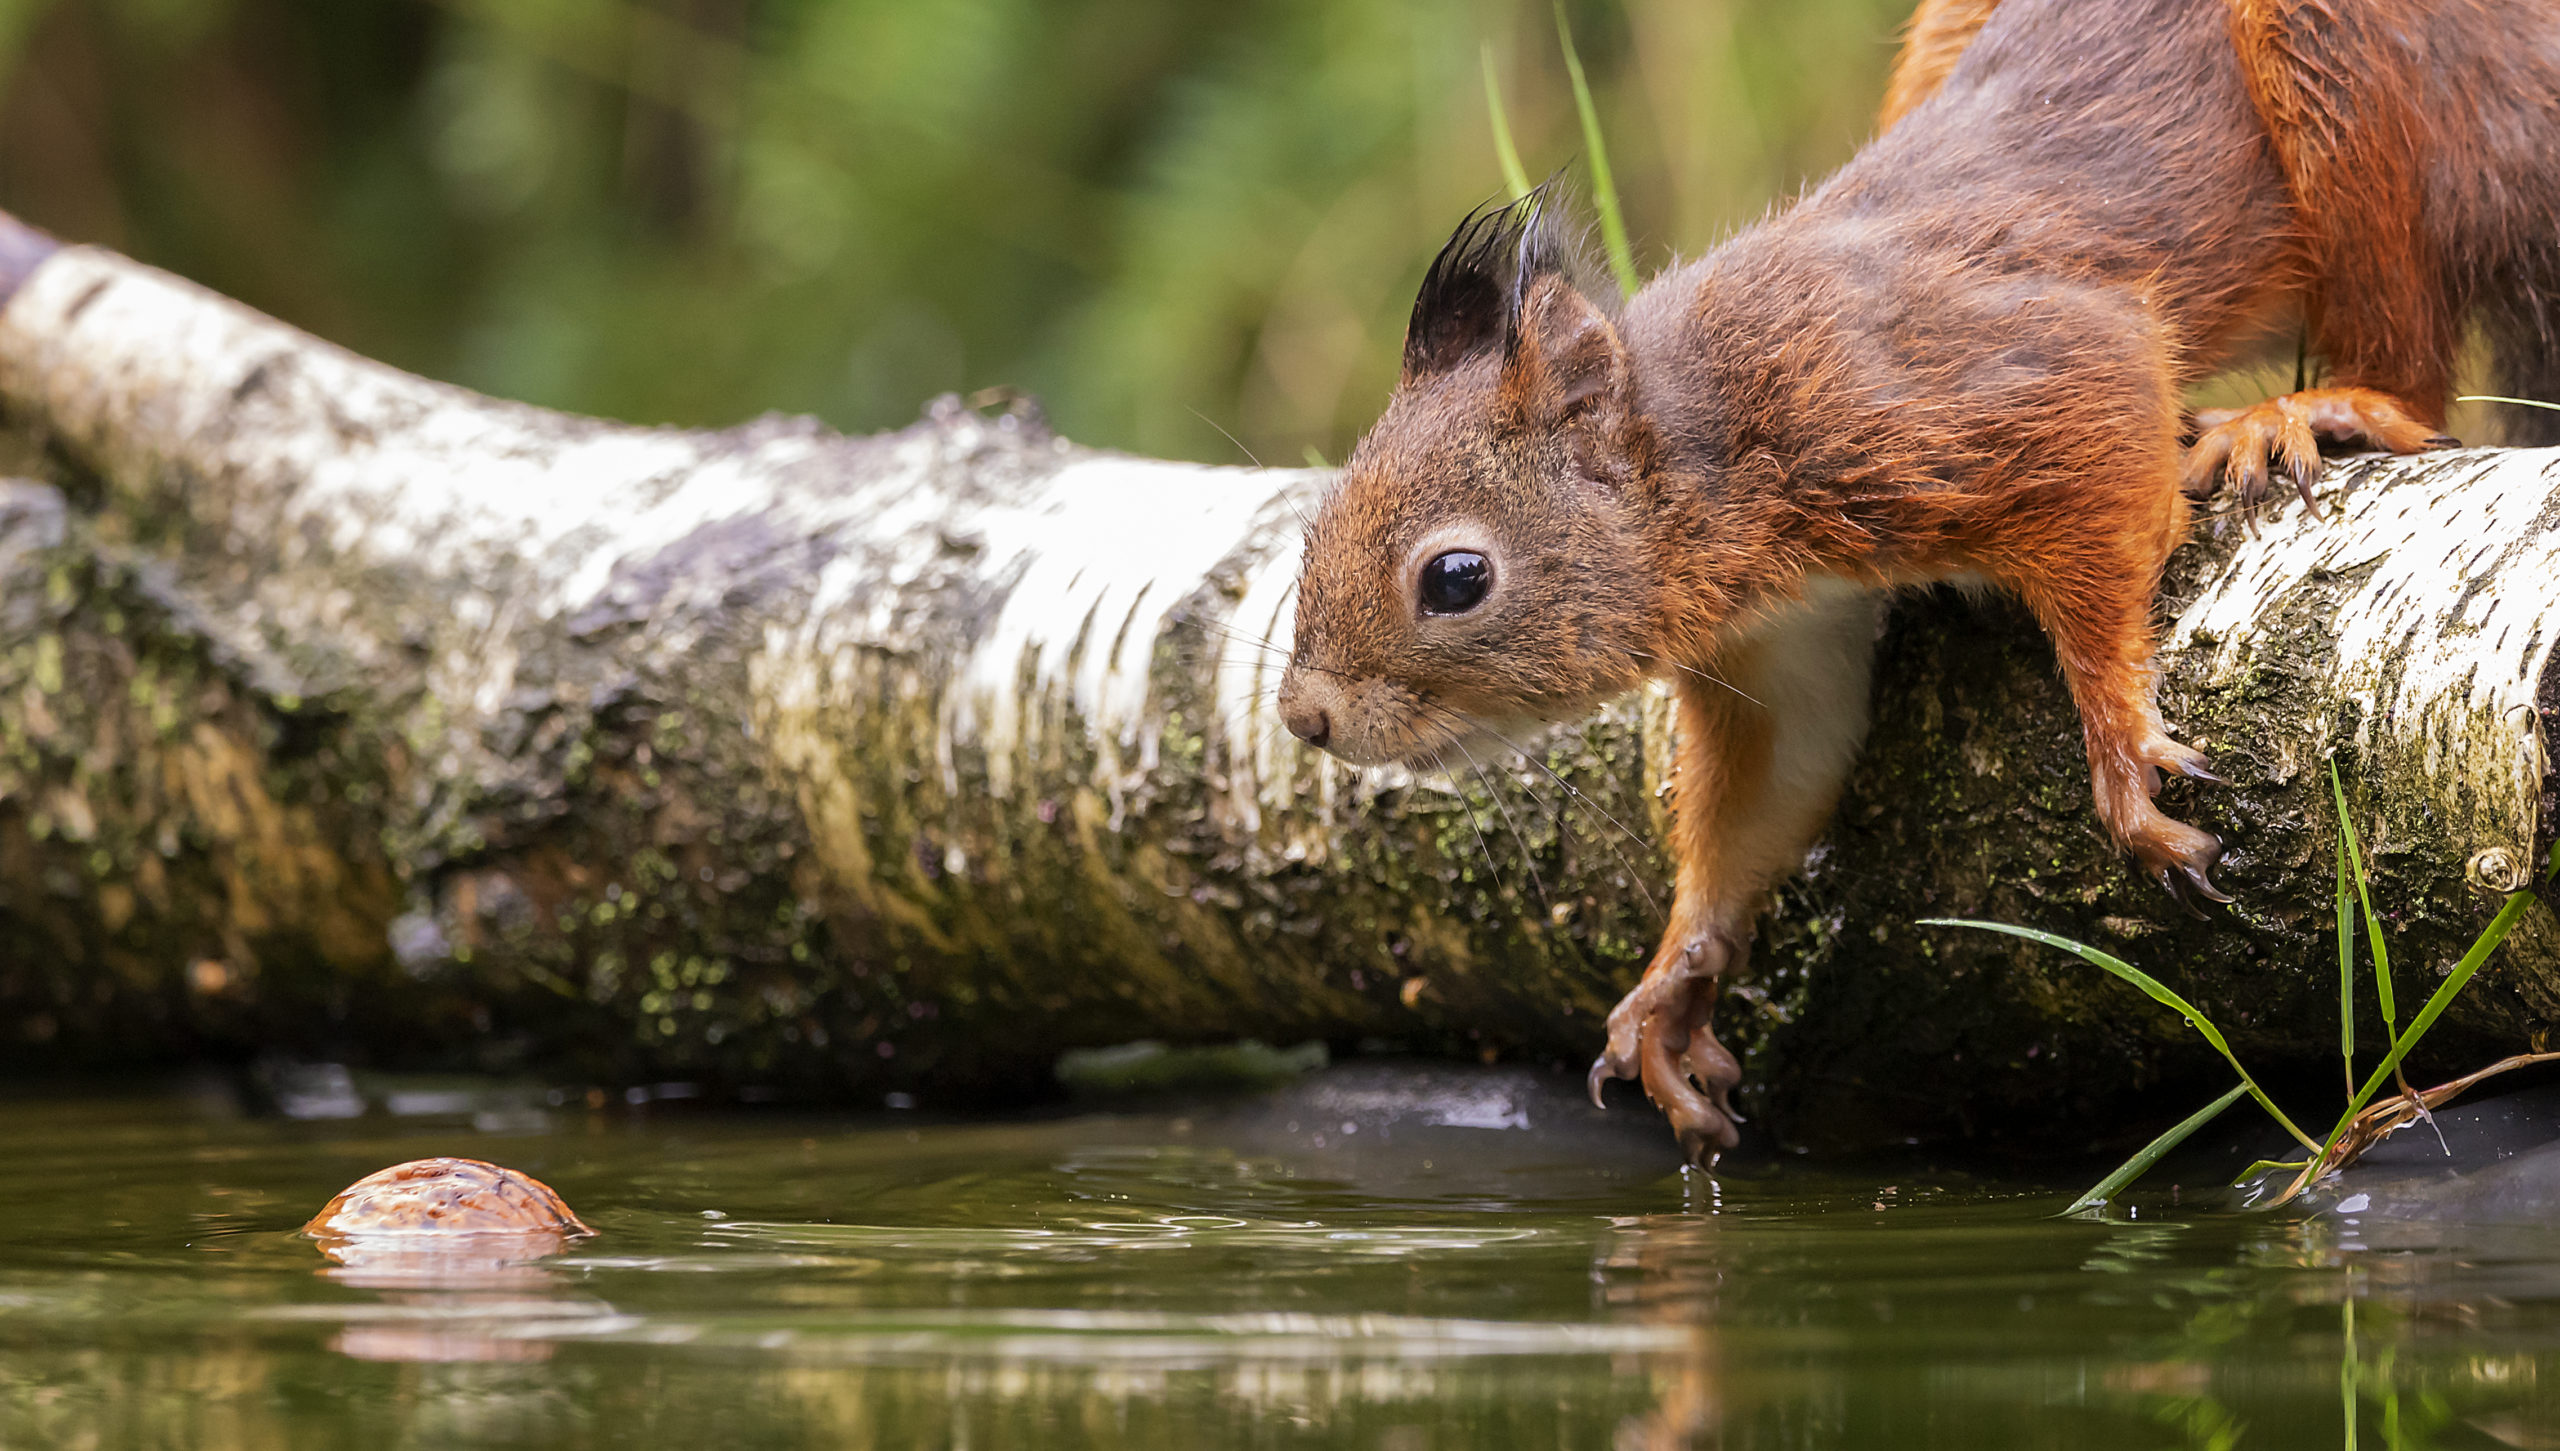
x,y
355,713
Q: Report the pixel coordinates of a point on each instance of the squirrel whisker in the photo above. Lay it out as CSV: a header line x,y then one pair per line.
x,y
1576,793
1472,823
1229,437
1703,674
1528,859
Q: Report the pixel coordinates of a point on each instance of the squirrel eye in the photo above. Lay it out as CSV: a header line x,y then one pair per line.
x,y
1455,583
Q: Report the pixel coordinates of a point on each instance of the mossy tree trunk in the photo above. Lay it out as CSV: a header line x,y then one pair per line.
x,y
345,712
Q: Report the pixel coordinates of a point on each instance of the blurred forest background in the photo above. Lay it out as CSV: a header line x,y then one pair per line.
x,y
1165,217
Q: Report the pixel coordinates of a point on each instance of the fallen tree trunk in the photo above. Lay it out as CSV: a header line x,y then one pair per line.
x,y
349,712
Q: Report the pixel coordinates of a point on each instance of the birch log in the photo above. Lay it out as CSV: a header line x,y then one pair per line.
x,y
346,712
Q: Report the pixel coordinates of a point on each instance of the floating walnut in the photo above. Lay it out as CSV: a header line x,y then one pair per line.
x,y
427,1197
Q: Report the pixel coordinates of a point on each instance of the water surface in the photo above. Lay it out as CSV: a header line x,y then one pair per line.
x,y
1252,1277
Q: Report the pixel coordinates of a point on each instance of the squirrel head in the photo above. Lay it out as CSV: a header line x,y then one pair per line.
x,y
1481,562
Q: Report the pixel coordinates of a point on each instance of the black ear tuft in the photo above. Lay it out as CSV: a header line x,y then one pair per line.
x,y
1472,295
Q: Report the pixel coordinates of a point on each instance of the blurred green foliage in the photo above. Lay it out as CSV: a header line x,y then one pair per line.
x,y
1166,217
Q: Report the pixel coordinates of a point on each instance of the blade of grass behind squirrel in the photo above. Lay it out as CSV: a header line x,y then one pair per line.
x,y
1604,186
1513,175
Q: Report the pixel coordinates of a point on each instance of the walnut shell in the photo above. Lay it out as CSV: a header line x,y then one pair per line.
x,y
446,1196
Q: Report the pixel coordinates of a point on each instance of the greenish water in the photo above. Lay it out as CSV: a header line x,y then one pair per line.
x,y
1216,1279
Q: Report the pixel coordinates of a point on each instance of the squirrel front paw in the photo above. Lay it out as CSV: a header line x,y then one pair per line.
x,y
1663,993
1691,1078
1659,1034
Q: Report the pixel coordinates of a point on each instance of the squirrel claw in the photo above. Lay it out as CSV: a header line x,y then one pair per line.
x,y
1603,1069
2203,885
2187,882
2160,753
2304,477
2180,858
1704,1136
2199,771
2175,885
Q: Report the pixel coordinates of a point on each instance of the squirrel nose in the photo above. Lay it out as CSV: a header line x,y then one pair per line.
x,y
1309,723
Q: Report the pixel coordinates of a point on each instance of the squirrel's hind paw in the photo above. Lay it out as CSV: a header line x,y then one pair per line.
x,y
2235,447
2181,858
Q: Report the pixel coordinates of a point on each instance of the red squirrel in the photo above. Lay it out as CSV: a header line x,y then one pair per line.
x,y
1961,357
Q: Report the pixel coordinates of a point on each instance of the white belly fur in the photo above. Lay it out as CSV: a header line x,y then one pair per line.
x,y
1809,661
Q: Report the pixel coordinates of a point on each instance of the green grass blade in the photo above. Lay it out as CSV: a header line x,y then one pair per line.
x,y
2490,936
1513,176
2158,991
2364,894
2140,1164
1604,187
2346,971
2519,402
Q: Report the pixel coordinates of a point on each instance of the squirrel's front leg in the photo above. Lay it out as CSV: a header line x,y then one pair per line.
x,y
1768,726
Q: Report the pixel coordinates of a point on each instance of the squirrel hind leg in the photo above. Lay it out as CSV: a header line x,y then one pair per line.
x,y
2094,601
2237,448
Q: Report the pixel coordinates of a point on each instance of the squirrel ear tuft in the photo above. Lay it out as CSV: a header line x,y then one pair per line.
x,y
1463,307
1569,359
1474,294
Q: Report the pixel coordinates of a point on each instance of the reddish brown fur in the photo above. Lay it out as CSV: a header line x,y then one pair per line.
x,y
1932,41
2351,146
1961,355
